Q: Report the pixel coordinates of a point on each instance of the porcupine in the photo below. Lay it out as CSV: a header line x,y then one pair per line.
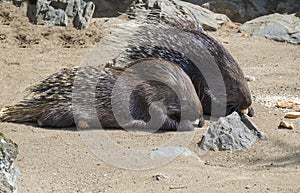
x,y
53,101
187,45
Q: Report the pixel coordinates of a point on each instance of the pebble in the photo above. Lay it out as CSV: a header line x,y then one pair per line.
x,y
159,177
250,78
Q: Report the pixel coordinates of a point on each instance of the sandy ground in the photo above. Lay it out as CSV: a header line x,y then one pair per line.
x,y
59,160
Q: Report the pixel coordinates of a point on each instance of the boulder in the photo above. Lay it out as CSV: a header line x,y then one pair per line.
x,y
179,9
8,170
298,13
237,10
283,28
245,10
231,133
285,6
62,12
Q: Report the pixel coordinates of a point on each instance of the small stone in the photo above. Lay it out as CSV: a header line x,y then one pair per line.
x,y
297,108
250,78
292,115
286,104
286,125
159,177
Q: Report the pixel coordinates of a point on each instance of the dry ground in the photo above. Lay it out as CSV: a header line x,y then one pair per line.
x,y
59,161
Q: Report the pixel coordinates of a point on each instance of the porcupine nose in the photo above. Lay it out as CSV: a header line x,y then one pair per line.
x,y
251,112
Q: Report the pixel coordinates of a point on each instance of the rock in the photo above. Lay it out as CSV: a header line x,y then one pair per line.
x,y
250,78
297,108
110,8
285,124
292,115
83,16
247,121
284,28
245,10
231,133
289,104
31,12
18,2
8,170
298,13
285,6
62,12
173,151
238,11
159,177
179,9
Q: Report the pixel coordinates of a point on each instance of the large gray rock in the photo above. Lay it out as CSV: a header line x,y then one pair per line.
x,y
231,133
284,6
179,9
237,10
284,28
8,170
64,12
245,10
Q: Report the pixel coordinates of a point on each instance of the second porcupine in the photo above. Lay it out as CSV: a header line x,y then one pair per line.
x,y
205,60
84,95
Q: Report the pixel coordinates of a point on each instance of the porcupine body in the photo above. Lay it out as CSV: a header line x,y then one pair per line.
x,y
217,77
84,96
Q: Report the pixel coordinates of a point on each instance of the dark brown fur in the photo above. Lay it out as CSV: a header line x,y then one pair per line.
x,y
77,101
196,53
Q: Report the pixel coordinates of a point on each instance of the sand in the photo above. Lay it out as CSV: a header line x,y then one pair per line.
x,y
58,160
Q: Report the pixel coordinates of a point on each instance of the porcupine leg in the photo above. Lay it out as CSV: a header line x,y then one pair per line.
x,y
56,117
157,116
160,120
174,123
